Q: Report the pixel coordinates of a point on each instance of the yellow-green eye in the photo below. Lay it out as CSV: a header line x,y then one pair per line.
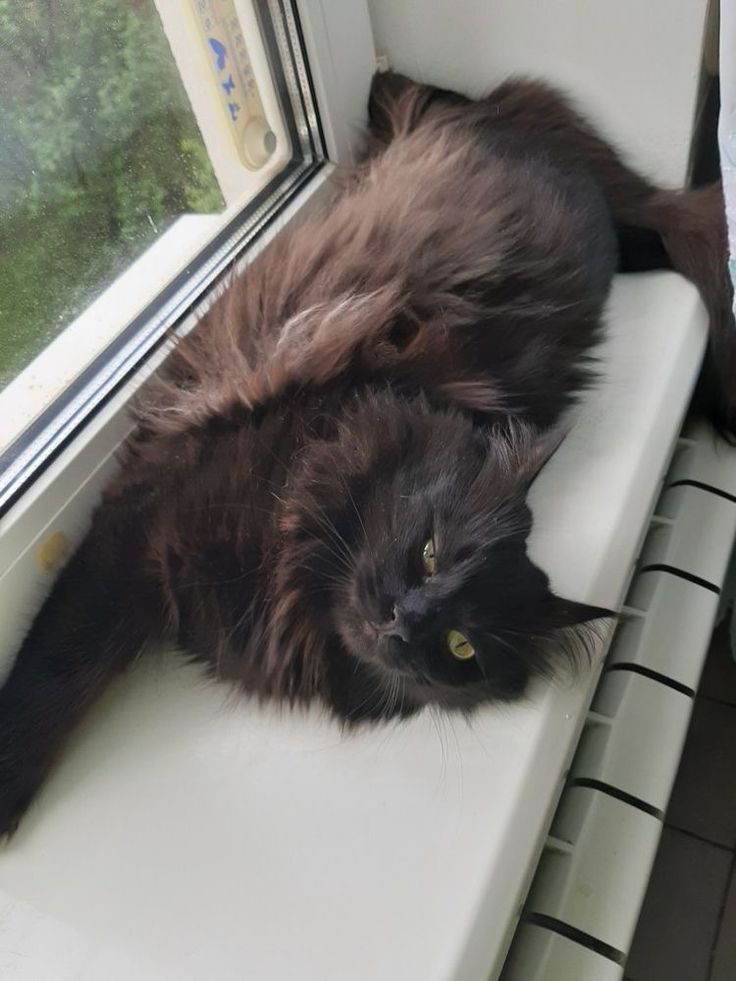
x,y
459,645
428,558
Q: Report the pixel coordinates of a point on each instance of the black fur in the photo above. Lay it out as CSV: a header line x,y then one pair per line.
x,y
389,373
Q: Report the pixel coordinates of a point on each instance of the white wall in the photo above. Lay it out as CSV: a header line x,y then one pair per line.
x,y
632,64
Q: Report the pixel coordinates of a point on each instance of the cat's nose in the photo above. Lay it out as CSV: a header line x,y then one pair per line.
x,y
395,626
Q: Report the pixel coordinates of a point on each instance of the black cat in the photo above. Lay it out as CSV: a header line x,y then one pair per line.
x,y
325,494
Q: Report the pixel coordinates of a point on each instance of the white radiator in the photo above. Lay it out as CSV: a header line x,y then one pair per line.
x,y
584,902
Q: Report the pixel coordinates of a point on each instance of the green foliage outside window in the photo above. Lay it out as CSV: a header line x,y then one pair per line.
x,y
99,153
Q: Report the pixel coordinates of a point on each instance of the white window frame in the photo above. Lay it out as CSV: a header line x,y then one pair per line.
x,y
51,516
92,340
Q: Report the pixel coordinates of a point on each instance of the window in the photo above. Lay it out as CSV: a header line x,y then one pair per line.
x,y
145,144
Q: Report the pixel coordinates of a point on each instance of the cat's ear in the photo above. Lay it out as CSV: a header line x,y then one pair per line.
x,y
535,450
395,104
521,450
575,630
569,613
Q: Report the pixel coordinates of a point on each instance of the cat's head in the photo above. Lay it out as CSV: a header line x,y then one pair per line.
x,y
413,526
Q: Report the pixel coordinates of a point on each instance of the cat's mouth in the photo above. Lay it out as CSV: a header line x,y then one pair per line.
x,y
375,646
397,656
367,641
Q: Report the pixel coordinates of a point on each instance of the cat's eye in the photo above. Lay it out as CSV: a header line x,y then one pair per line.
x,y
429,560
459,645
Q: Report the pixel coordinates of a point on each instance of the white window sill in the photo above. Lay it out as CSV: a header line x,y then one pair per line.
x,y
192,835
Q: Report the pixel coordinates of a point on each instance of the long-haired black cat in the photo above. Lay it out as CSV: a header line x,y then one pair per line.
x,y
325,494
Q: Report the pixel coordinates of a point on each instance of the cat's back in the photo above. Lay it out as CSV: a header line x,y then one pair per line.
x,y
454,222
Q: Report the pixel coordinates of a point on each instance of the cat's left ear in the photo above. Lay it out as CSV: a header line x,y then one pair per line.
x,y
569,613
577,628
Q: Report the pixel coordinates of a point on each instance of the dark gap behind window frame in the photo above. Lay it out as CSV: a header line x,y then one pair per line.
x,y
43,440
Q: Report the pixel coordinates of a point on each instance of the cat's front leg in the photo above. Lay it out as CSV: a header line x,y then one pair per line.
x,y
99,615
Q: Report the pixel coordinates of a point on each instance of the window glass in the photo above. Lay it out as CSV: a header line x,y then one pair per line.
x,y
138,139
99,153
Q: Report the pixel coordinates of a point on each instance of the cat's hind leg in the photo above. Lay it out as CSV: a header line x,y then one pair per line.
x,y
685,229
689,226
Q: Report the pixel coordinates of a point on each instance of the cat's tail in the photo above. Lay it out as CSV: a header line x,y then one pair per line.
x,y
98,617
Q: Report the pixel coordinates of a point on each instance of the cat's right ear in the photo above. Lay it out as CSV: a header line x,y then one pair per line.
x,y
537,449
